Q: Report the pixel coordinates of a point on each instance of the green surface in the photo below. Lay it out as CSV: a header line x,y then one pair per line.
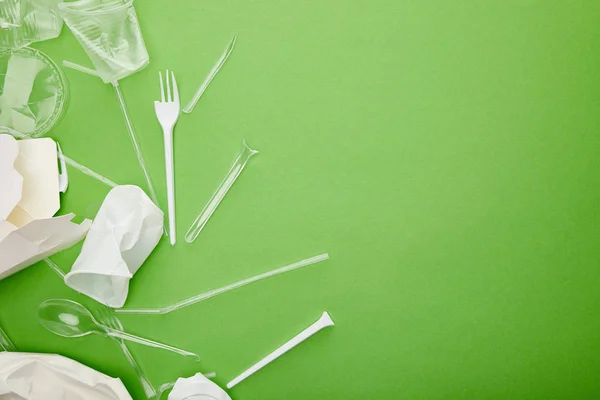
x,y
445,153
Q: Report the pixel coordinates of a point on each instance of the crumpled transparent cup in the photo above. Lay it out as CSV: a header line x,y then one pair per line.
x,y
110,34
23,22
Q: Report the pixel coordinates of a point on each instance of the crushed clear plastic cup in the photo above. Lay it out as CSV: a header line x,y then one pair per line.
x,y
110,34
23,22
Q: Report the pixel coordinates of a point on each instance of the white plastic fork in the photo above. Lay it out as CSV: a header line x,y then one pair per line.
x,y
167,112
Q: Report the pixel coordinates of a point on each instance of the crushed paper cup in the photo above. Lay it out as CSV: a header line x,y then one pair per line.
x,y
126,229
29,197
28,376
197,387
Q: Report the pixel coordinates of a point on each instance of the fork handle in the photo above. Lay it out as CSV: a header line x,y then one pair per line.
x,y
149,390
168,138
147,342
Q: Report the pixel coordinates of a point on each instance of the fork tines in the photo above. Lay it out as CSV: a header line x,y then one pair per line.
x,y
170,78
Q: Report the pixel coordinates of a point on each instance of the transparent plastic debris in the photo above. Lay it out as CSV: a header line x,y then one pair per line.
x,y
23,22
208,210
34,92
215,292
167,113
323,322
213,72
110,34
5,343
70,319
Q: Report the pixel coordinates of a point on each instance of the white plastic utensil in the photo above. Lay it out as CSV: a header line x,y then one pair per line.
x,y
211,293
167,113
322,323
210,207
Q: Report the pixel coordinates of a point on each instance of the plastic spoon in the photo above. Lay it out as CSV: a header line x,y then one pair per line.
x,y
322,323
70,319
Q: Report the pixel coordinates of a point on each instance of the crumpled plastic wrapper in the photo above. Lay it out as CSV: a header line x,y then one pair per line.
x,y
28,376
197,387
126,229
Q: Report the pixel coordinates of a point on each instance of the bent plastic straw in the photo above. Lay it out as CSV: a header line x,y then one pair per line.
x,y
213,72
208,210
212,293
322,323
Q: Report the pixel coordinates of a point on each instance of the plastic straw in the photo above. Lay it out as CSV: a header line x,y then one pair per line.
x,y
210,207
213,72
134,141
128,122
130,130
212,293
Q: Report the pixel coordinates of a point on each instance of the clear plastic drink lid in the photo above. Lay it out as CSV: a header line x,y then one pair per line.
x,y
33,91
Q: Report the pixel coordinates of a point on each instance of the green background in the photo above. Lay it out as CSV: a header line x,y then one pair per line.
x,y
445,154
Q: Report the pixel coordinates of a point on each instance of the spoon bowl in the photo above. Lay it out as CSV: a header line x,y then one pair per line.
x,y
66,318
70,319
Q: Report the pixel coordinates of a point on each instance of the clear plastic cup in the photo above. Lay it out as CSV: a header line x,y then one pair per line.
x,y
23,22
110,34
